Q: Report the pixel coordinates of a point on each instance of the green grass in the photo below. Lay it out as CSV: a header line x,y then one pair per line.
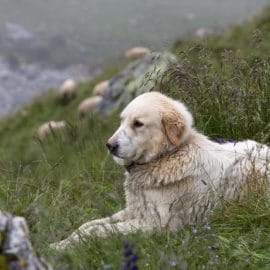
x,y
69,179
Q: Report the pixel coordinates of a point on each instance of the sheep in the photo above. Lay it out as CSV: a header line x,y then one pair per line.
x,y
88,105
100,88
67,91
136,52
50,128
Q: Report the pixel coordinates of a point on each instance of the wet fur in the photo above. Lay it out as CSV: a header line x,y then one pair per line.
x,y
180,177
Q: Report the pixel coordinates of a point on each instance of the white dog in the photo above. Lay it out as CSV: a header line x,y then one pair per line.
x,y
174,175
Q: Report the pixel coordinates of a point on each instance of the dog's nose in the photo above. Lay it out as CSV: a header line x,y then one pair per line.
x,y
112,146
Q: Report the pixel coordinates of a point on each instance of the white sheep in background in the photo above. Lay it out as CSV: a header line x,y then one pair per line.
x,y
67,91
49,128
100,88
88,105
136,52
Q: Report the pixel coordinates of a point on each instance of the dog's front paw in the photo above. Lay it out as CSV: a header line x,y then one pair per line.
x,y
77,236
58,246
62,245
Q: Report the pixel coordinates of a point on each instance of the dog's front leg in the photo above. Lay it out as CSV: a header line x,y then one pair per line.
x,y
74,237
102,230
123,227
119,216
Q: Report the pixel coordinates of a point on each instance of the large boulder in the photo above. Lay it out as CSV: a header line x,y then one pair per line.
x,y
16,251
140,76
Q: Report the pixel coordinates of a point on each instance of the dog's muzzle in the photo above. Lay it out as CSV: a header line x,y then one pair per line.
x,y
112,147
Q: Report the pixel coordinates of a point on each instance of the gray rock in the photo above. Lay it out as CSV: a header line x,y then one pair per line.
x,y
139,77
16,247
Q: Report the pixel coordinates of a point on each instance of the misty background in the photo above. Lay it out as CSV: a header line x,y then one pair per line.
x,y
42,43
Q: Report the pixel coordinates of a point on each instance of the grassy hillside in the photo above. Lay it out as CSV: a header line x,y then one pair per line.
x,y
69,179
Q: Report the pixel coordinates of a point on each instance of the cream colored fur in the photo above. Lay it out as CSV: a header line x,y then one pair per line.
x,y
175,175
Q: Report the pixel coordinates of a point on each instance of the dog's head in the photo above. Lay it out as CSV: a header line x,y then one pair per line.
x,y
151,125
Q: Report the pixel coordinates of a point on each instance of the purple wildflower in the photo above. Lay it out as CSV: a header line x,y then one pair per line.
x,y
222,140
219,140
131,258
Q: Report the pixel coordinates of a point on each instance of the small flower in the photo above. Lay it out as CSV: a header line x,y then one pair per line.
x,y
207,227
131,258
219,140
107,266
173,263
222,140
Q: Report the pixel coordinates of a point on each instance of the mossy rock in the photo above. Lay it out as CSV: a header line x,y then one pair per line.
x,y
139,77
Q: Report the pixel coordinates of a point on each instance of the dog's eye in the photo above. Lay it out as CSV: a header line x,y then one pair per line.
x,y
137,124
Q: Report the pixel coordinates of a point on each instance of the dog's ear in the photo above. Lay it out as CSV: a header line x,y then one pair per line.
x,y
174,126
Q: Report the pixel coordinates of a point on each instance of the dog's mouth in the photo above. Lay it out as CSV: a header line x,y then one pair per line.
x,y
122,158
122,161
123,154
116,153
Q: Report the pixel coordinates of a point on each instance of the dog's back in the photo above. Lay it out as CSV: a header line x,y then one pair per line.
x,y
171,193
